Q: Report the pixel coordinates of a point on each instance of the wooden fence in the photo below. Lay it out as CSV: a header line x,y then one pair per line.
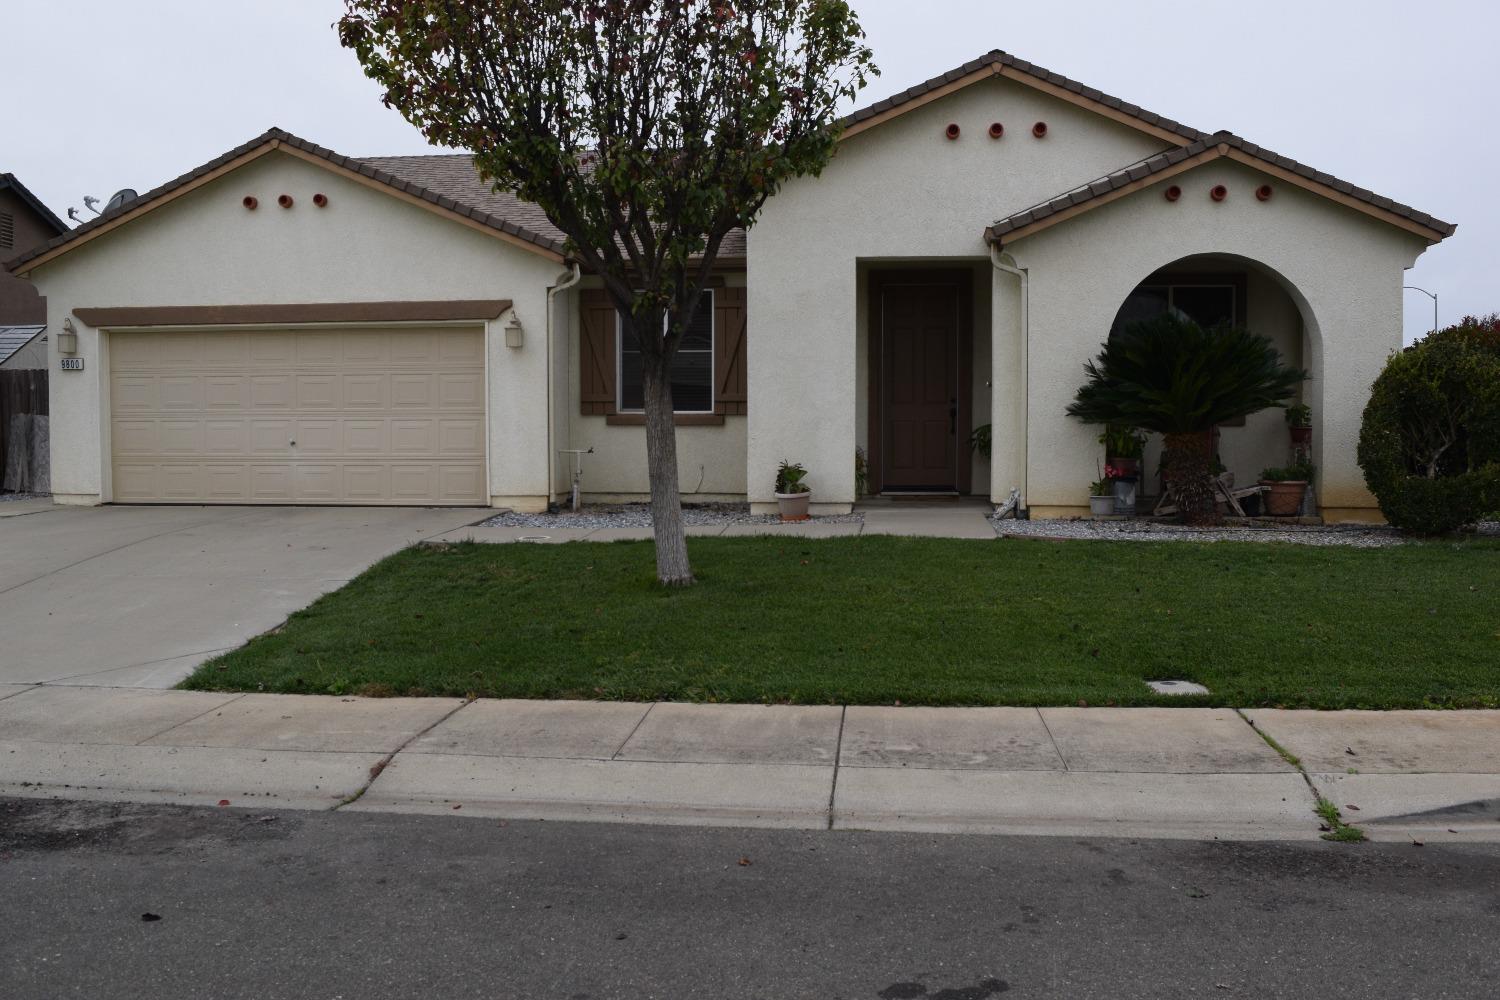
x,y
23,460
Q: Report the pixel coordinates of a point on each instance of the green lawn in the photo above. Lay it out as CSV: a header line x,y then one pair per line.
x,y
877,620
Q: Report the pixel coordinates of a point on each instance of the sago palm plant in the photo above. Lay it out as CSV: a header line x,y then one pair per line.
x,y
1174,377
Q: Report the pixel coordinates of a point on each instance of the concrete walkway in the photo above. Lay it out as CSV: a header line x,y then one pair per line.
x,y
1187,773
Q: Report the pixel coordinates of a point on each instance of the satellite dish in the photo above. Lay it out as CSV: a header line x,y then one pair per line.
x,y
119,198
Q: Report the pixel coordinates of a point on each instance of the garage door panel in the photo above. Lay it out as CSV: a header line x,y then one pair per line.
x,y
368,392
226,483
460,437
461,391
223,438
366,483
271,483
272,437
226,392
318,436
272,392
267,348
180,437
366,437
459,481
134,437
180,392
412,392
307,416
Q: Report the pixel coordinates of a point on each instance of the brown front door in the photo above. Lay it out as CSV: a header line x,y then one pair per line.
x,y
920,340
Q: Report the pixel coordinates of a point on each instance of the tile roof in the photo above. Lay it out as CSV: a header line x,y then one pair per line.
x,y
999,59
13,338
1206,149
454,175
446,180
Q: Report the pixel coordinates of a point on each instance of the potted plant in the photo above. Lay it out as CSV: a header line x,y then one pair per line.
x,y
1101,498
1299,423
792,494
1287,488
1124,447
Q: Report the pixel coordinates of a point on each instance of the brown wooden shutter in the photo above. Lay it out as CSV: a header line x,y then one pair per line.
x,y
730,323
597,330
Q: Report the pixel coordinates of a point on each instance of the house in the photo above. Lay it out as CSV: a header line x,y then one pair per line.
x,y
286,324
24,223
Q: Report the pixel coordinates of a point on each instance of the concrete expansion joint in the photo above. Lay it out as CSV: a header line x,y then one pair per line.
x,y
633,730
838,752
378,768
1055,747
1338,829
183,722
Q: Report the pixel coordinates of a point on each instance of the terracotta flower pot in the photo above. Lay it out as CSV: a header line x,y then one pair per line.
x,y
794,505
1285,498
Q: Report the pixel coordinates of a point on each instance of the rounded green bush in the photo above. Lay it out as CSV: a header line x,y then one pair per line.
x,y
1430,442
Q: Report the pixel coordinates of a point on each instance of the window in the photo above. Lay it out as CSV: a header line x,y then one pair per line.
x,y
1204,304
692,366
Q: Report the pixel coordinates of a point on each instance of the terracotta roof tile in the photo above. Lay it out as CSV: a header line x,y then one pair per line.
x,y
1151,165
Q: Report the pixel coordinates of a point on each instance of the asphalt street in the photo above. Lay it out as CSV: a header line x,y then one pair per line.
x,y
164,902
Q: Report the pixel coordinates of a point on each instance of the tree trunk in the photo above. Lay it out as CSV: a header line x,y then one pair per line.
x,y
1188,462
672,567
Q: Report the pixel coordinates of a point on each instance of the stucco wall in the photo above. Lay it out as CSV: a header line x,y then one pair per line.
x,y
1341,268
19,303
206,249
710,460
898,192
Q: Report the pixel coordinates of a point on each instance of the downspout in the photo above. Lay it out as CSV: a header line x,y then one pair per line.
x,y
569,279
1024,275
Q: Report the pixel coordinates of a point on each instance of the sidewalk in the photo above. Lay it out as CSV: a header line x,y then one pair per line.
x,y
1185,773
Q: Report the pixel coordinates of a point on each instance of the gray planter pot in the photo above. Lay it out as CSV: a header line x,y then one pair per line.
x,y
793,505
1101,506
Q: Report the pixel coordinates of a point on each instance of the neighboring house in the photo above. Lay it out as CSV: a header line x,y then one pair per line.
x,y
287,324
23,346
24,223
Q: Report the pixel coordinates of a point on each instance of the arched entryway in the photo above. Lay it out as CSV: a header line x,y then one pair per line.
x,y
1224,288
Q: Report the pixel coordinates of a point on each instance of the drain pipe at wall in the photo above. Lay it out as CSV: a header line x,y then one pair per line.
x,y
1025,278
569,279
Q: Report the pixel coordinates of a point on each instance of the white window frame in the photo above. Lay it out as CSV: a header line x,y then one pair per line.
x,y
713,348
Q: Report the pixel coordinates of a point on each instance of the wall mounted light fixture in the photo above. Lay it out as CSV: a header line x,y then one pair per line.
x,y
67,340
515,334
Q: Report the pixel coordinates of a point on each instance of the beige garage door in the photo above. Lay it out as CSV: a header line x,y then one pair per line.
x,y
362,416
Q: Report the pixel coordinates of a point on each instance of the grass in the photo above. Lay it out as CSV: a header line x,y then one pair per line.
x,y
879,620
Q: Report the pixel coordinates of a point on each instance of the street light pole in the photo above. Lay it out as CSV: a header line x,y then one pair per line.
x,y
1433,297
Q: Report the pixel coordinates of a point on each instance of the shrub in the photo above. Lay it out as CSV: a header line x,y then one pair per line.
x,y
1430,441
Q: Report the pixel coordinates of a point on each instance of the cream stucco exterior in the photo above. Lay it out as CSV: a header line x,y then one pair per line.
x,y
365,246
897,194
1322,280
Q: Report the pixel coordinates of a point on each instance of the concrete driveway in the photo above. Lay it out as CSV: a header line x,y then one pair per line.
x,y
139,596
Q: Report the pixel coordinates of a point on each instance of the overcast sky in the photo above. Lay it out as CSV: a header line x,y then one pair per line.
x,y
1398,97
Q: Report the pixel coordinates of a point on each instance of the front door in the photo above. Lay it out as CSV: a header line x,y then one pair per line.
x,y
921,335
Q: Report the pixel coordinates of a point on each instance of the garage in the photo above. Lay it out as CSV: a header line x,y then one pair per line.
x,y
357,415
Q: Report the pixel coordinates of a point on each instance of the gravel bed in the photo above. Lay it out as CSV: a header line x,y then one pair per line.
x,y
638,515
1356,536
9,497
